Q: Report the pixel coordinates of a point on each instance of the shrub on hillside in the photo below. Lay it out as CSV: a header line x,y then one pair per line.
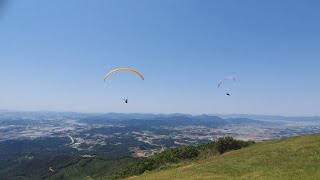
x,y
225,144
176,155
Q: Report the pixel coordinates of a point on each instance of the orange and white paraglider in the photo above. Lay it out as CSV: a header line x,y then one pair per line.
x,y
123,70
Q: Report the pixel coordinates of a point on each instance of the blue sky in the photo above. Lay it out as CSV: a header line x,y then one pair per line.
x,y
54,54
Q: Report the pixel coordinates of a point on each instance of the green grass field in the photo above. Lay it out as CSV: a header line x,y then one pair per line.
x,y
293,158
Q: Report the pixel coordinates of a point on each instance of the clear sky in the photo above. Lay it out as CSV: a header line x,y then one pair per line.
x,y
54,54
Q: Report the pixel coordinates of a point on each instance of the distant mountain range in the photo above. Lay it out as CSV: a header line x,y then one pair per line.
x,y
171,120
127,116
270,118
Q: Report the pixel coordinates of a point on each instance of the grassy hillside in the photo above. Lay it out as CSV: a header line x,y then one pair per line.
x,y
293,158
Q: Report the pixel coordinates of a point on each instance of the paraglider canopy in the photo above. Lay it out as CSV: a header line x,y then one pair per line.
x,y
224,79
123,70
50,170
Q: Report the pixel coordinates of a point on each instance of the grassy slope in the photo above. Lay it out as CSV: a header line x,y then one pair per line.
x,y
293,158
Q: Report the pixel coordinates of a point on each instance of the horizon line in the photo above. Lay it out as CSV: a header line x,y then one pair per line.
x,y
156,113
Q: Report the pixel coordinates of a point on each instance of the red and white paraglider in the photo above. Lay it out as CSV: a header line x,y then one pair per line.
x,y
51,170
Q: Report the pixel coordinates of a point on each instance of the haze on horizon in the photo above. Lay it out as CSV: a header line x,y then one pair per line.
x,y
54,55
